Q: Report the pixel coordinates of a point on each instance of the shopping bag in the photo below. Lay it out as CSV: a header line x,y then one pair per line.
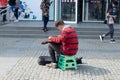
x,y
110,20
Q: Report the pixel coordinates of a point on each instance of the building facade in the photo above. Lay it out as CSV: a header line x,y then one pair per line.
x,y
71,11
74,11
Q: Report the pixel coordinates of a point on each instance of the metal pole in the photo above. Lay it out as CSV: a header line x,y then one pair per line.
x,y
119,12
56,10
87,6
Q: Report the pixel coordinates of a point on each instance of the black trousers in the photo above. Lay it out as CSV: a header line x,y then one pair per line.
x,y
54,51
111,31
4,16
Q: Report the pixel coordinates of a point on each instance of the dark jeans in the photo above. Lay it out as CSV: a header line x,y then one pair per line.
x,y
45,20
54,51
15,11
111,31
4,16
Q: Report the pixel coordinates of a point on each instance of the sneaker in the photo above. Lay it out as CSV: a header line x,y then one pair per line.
x,y
112,41
45,30
51,65
101,37
16,21
4,22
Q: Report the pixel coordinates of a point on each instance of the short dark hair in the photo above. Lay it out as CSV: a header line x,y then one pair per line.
x,y
115,2
59,22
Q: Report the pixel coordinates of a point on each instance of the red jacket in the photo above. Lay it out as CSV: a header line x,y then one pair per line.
x,y
3,3
69,41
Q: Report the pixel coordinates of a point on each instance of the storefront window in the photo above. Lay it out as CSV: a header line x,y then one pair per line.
x,y
95,10
68,11
30,10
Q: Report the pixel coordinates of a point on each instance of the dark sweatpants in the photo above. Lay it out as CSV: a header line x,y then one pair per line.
x,y
54,51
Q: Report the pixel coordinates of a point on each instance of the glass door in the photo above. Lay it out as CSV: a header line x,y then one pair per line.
x,y
68,11
94,10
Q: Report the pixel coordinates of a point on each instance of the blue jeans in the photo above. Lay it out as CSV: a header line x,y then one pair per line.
x,y
14,9
45,20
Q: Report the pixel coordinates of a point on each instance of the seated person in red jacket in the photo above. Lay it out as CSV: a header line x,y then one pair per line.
x,y
65,44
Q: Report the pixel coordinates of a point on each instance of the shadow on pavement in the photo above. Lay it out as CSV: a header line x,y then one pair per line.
x,y
91,70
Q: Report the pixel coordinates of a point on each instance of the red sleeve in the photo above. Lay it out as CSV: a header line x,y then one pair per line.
x,y
57,39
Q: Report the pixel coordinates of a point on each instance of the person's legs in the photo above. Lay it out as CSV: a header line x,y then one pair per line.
x,y
16,14
53,49
12,12
45,19
4,15
4,18
111,32
45,23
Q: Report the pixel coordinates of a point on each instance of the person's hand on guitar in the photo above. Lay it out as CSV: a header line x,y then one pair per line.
x,y
46,42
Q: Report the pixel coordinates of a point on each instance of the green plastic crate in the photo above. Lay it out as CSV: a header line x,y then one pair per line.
x,y
67,62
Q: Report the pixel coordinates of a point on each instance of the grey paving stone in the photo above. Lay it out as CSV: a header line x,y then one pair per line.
x,y
18,61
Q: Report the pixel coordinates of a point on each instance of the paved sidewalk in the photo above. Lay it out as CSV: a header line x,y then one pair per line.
x,y
18,61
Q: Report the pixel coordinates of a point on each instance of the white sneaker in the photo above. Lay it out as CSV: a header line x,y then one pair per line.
x,y
51,65
16,21
101,38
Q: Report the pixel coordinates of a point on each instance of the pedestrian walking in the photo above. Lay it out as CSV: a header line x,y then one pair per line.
x,y
3,6
14,9
45,4
111,16
65,44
